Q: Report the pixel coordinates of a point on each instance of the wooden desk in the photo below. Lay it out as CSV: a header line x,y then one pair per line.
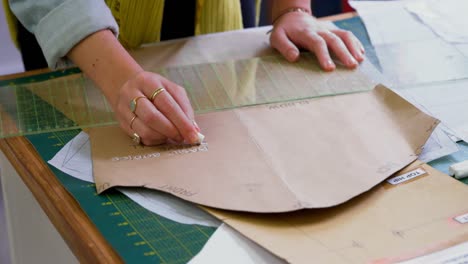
x,y
19,160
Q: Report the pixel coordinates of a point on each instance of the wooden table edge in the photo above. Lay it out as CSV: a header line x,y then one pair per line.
x,y
77,230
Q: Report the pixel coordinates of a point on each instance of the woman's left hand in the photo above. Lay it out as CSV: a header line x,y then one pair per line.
x,y
296,30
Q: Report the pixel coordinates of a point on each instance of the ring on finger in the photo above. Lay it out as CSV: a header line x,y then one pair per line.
x,y
136,138
156,93
134,103
132,120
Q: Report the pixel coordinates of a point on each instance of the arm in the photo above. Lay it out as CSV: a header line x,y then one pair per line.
x,y
299,29
85,32
103,59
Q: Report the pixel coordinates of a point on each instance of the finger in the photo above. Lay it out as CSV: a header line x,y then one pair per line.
x,y
339,48
166,104
147,136
156,121
352,43
280,41
315,43
180,96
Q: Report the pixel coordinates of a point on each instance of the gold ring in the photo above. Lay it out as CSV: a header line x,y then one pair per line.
x,y
156,92
133,103
131,121
136,138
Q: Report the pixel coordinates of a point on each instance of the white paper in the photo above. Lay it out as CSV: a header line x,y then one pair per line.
x,y
438,145
228,246
389,22
447,101
75,160
447,18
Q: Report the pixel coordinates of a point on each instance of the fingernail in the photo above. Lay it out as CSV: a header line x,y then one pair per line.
x,y
359,56
352,62
194,138
329,65
196,125
201,137
363,50
292,54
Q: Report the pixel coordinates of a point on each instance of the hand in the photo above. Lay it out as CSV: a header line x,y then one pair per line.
x,y
168,117
300,30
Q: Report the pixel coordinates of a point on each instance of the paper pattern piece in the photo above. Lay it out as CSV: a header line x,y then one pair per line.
x,y
274,158
75,160
389,224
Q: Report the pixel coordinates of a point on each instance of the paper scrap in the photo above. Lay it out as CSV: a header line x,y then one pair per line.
x,y
75,160
228,246
438,145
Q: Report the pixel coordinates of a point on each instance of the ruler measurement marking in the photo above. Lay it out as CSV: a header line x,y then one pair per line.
x,y
271,79
222,84
52,99
172,235
309,81
283,73
88,106
135,229
36,114
188,86
204,86
67,86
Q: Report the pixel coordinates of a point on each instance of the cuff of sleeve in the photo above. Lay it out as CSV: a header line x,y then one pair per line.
x,y
66,25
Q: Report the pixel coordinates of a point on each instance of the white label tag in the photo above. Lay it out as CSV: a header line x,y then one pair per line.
x,y
407,176
462,219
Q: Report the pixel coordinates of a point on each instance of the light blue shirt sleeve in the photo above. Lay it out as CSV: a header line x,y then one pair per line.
x,y
60,24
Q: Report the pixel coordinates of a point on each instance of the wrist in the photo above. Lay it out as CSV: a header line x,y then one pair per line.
x,y
290,10
280,7
103,59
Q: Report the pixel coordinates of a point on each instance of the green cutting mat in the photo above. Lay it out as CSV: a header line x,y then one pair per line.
x,y
138,235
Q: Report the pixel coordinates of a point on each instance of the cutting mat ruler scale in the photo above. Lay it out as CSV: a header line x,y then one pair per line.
x,y
211,87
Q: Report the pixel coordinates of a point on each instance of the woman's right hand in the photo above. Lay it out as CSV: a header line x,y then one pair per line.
x,y
169,116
